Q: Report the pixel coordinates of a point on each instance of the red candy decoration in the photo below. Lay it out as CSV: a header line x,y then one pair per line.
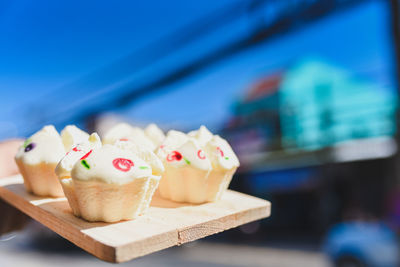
x,y
86,155
220,151
200,154
123,164
75,149
174,155
123,139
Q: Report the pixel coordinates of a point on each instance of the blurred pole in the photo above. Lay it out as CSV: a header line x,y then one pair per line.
x,y
395,22
393,185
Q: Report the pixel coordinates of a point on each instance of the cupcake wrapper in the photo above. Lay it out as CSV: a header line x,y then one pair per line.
x,y
218,182
99,201
69,191
153,184
41,179
190,185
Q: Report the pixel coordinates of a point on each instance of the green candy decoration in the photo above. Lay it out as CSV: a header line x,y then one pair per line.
x,y
26,143
186,160
85,164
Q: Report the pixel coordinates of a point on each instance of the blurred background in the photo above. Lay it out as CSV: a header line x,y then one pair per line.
x,y
306,92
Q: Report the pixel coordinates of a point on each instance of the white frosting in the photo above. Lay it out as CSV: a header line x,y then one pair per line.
x,y
119,131
110,164
199,149
64,167
139,137
145,154
72,135
154,133
174,139
44,146
221,154
202,135
126,132
189,156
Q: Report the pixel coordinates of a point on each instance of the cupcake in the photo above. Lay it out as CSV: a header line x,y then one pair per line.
x,y
150,138
39,155
112,182
37,159
198,166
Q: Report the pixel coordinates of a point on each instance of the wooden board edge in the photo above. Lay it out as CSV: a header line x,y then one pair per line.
x,y
194,232
108,253
261,209
146,246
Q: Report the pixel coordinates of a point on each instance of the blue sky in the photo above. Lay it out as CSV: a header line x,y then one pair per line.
x,y
45,45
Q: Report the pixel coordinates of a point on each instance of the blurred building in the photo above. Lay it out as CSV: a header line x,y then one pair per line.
x,y
310,106
322,105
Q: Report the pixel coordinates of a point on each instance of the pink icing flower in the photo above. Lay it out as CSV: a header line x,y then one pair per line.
x,y
200,154
123,164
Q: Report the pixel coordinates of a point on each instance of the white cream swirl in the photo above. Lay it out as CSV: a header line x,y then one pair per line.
x,y
200,149
44,146
78,152
72,135
144,153
124,132
111,164
154,133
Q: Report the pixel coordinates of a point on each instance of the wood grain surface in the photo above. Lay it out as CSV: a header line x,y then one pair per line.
x,y
166,223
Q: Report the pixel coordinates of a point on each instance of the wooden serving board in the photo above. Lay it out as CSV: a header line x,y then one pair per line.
x,y
166,224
